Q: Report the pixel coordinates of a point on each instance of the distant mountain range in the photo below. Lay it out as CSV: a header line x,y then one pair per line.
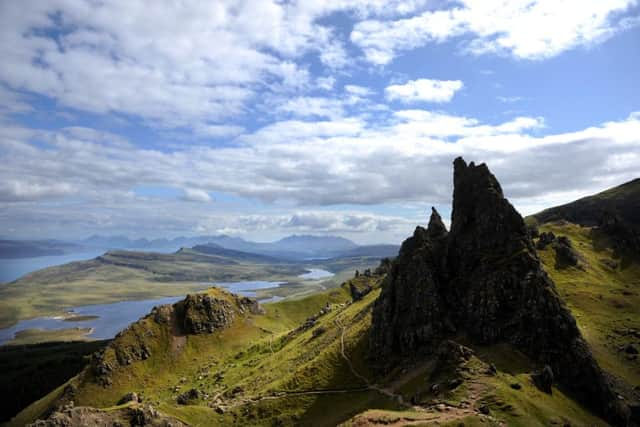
x,y
295,247
33,248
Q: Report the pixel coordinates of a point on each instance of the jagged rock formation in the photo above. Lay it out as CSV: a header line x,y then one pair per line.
x,y
483,280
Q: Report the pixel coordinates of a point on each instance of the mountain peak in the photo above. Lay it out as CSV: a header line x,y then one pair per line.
x,y
436,227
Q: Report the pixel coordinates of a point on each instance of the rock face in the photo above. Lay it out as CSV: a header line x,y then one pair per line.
x,y
201,313
483,280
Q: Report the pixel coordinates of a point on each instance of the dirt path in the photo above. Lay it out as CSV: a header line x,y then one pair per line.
x,y
386,391
438,412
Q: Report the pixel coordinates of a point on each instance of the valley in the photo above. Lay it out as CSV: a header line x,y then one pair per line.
x,y
89,287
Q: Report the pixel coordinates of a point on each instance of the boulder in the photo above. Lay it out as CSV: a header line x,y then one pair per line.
x,y
358,289
129,397
566,255
188,397
543,379
546,238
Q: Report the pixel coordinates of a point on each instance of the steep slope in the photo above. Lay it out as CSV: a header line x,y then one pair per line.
x,y
614,214
213,249
484,281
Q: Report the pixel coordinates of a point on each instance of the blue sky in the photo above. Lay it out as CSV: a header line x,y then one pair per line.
x,y
262,119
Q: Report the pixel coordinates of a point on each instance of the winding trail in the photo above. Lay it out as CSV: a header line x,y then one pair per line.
x,y
374,387
441,412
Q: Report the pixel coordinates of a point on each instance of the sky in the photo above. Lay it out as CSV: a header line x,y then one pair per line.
x,y
262,119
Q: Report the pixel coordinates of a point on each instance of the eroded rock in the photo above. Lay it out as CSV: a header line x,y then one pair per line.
x,y
483,279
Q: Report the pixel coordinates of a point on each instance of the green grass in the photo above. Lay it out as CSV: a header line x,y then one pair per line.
x,y
602,299
273,362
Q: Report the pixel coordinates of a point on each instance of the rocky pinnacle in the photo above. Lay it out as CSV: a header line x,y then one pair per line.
x,y
482,280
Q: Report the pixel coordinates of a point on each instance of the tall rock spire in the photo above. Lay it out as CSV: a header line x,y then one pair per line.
x,y
484,280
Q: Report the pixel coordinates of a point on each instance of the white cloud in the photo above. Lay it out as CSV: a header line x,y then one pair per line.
x,y
528,29
326,83
196,195
509,99
424,90
358,90
306,106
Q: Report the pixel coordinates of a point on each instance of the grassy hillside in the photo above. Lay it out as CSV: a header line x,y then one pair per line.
x,y
623,201
269,370
304,361
603,294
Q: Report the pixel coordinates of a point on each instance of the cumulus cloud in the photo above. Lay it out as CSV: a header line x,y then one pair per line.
x,y
153,66
358,90
424,90
522,28
196,195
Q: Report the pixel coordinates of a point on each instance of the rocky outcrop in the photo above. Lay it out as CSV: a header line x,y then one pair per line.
x,y
203,313
566,255
196,314
85,416
359,289
483,280
546,238
189,397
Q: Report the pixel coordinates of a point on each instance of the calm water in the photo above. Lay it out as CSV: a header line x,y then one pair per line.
x,y
11,269
315,274
114,317
247,288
